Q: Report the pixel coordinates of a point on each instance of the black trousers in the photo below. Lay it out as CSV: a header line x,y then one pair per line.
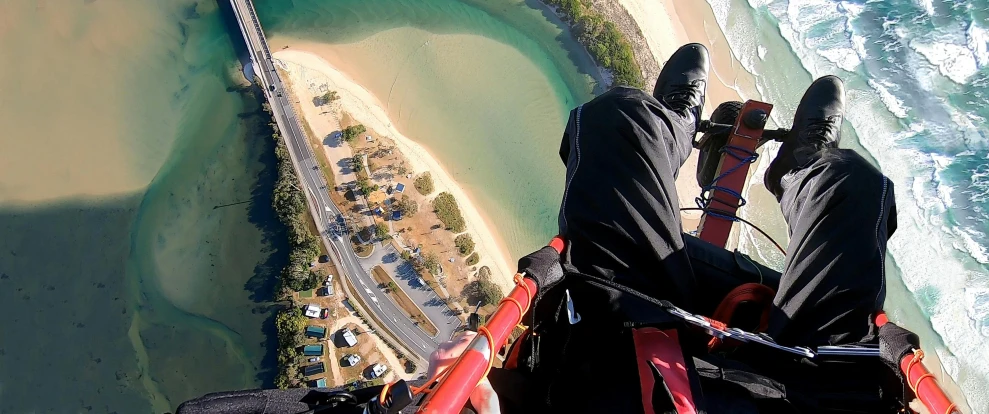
x,y
620,212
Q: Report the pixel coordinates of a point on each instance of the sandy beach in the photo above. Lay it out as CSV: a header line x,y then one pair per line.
x,y
367,109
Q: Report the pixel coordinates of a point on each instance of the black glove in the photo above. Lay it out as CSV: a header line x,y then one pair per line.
x,y
544,267
895,343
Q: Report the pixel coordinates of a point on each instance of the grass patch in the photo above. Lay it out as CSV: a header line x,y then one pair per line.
x,y
306,293
403,300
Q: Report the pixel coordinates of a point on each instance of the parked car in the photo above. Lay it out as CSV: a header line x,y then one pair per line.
x,y
314,359
377,370
325,313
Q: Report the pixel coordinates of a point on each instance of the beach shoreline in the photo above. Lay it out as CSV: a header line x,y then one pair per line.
x,y
368,109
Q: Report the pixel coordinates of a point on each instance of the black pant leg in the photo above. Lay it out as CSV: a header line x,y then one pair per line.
x,y
840,211
620,210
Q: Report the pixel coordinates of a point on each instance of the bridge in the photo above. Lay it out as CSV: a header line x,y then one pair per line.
x,y
398,328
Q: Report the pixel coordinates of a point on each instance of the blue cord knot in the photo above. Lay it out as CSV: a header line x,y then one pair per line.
x,y
703,201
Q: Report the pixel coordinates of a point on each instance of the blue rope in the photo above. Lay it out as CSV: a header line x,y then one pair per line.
x,y
704,200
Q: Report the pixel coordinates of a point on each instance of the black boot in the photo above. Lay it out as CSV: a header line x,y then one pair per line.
x,y
816,126
682,83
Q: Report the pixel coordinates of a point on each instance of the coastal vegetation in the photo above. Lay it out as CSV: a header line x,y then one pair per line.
x,y
447,210
365,186
289,325
473,259
424,183
326,98
465,244
290,206
602,39
353,131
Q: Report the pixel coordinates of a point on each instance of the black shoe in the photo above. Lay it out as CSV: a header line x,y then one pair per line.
x,y
816,126
682,83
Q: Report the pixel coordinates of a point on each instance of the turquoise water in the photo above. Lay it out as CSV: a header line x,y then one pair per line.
x,y
139,250
486,86
135,294
917,74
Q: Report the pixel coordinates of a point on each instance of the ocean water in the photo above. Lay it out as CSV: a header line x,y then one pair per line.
x,y
917,73
123,288
485,85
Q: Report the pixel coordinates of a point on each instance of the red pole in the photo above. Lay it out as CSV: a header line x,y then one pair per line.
x,y
921,381
926,387
453,389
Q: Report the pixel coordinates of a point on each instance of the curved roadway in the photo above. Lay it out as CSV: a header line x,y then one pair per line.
x,y
314,188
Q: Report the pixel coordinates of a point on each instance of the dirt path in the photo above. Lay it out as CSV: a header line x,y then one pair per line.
x,y
371,351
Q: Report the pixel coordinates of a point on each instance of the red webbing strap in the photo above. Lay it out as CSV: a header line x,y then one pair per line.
x,y
662,349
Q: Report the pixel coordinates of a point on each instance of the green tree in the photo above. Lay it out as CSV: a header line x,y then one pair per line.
x,y
381,231
366,187
431,263
424,183
357,161
482,290
473,259
447,210
464,243
353,131
406,255
407,206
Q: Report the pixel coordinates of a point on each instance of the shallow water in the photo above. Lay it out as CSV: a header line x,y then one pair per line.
x,y
486,86
138,249
121,286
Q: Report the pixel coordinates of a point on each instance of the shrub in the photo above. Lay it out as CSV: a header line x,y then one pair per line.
x,y
465,244
353,131
325,98
406,255
473,259
448,212
424,183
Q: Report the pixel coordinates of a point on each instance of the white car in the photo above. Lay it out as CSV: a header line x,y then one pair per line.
x,y
377,370
314,359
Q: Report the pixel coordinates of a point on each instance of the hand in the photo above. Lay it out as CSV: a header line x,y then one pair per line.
x,y
483,398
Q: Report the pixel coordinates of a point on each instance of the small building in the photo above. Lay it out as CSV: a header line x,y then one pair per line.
x,y
317,332
396,215
349,337
312,350
312,310
320,383
378,211
314,369
369,138
399,188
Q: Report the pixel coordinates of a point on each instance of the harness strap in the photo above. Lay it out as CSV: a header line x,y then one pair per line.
x,y
755,293
660,363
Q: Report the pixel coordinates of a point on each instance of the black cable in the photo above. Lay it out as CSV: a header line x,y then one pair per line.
x,y
735,217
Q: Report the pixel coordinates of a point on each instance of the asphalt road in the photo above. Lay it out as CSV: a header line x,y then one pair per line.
x,y
314,187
